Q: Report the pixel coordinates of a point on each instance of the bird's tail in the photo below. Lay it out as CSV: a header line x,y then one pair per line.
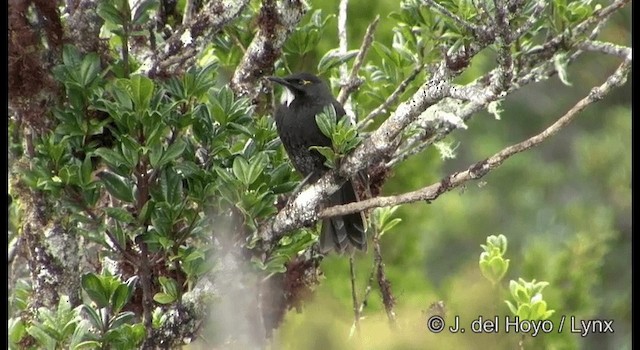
x,y
343,233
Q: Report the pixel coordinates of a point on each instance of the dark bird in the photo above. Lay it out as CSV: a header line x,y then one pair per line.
x,y
305,96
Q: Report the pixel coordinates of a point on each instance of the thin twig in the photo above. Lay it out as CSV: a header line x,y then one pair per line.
x,y
479,169
443,10
392,98
351,83
343,46
388,300
533,18
368,289
354,297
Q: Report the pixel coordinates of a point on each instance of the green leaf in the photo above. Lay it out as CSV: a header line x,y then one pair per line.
x,y
130,150
120,298
256,167
87,344
141,15
89,69
17,330
241,170
327,121
328,153
94,287
174,151
511,307
120,214
334,58
116,186
109,13
122,318
169,286
70,55
146,211
112,158
164,298
45,340
86,171
141,92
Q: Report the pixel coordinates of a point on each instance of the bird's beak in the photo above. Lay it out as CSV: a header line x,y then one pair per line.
x,y
283,82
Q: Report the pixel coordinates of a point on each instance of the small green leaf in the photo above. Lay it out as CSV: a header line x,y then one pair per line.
x,y
327,120
116,186
164,298
328,153
122,318
70,55
141,14
109,13
334,58
241,170
111,157
169,286
141,92
120,214
511,307
256,167
16,330
174,151
120,298
89,69
94,287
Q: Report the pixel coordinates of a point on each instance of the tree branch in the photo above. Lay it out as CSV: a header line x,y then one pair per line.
x,y
352,82
481,168
181,45
275,21
381,144
392,98
472,28
608,48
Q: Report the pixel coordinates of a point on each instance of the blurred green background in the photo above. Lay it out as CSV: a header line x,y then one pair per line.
x,y
564,206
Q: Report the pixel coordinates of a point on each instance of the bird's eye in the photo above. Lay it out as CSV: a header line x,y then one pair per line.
x,y
304,82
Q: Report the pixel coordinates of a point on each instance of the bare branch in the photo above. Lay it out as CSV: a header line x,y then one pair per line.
x,y
481,168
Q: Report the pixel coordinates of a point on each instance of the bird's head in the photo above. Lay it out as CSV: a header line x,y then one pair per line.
x,y
304,85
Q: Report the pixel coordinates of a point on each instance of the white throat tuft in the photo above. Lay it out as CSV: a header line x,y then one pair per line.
x,y
287,97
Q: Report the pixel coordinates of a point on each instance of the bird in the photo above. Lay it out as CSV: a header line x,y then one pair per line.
x,y
305,96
